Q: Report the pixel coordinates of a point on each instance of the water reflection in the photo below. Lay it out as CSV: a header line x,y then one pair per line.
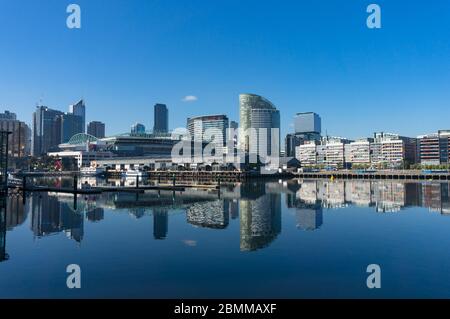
x,y
256,206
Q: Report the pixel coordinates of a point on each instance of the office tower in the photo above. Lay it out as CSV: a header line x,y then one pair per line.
x,y
291,142
138,128
258,117
96,129
79,109
308,126
232,138
19,139
161,119
46,130
71,125
209,128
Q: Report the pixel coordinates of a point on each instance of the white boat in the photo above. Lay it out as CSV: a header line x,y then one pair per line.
x,y
92,171
134,173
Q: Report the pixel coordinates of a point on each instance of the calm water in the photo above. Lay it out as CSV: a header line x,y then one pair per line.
x,y
276,239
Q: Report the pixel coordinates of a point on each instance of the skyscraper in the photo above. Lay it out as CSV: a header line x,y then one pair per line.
x,y
258,116
198,126
19,139
138,128
71,125
46,130
161,123
79,109
96,129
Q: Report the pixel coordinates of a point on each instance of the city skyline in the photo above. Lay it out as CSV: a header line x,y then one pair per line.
x,y
370,78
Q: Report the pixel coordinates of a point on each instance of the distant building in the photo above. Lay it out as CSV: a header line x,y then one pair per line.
x,y
71,125
209,128
138,128
79,109
234,138
358,152
393,150
291,142
258,116
307,153
308,122
96,129
434,148
19,139
131,145
46,130
161,119
7,115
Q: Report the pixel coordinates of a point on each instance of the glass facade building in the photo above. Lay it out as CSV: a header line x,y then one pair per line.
x,y
161,124
208,128
79,109
96,129
46,130
308,122
258,116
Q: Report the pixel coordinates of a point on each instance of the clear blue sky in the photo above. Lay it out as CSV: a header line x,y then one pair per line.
x,y
302,55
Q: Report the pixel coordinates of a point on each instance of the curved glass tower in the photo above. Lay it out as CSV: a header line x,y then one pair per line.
x,y
258,113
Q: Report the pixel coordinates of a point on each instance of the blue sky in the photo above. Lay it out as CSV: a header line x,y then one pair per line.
x,y
302,55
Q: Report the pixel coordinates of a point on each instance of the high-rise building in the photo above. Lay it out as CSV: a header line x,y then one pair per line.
x,y
258,116
79,109
209,128
46,130
138,128
7,115
96,129
308,122
19,139
161,124
71,125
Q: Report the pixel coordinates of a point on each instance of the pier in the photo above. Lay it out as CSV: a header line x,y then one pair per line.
x,y
393,175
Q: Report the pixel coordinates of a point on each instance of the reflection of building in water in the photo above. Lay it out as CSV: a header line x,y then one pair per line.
x,y
308,192
160,223
260,221
137,212
95,215
16,213
435,196
385,195
3,254
252,190
389,196
233,208
214,214
358,193
309,217
332,194
49,216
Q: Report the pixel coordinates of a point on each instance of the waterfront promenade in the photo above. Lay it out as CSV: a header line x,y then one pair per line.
x,y
413,175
